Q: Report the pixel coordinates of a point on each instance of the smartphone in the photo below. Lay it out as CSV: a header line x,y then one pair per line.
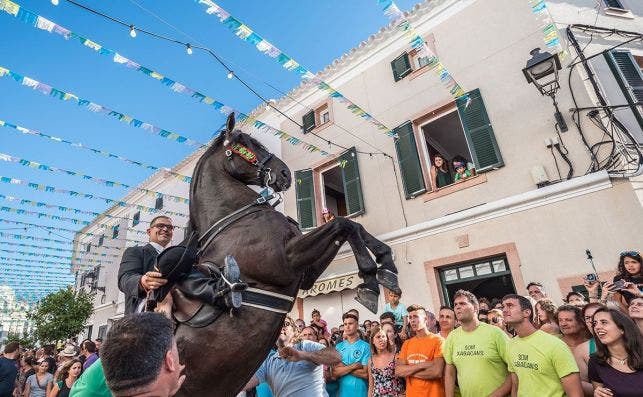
x,y
619,284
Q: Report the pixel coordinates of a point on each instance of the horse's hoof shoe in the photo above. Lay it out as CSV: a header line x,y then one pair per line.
x,y
388,279
368,298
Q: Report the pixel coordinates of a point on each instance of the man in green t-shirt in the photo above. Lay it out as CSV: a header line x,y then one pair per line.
x,y
475,353
91,383
539,362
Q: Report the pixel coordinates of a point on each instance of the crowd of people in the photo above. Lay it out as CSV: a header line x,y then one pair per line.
x,y
518,345
45,372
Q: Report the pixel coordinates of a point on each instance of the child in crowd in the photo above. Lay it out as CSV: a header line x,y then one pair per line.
x,y
461,171
399,310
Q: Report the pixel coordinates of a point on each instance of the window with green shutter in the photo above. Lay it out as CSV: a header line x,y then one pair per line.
x,y
613,3
629,77
305,194
309,121
478,132
409,161
352,182
401,66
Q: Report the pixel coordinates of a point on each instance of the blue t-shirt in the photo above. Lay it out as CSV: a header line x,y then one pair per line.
x,y
399,312
263,390
357,352
302,378
8,372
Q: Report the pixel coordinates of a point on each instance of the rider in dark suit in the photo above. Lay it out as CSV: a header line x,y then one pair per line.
x,y
136,275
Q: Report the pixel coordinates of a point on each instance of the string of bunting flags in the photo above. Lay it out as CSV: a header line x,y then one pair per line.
x,y
4,258
20,211
48,274
104,153
100,181
65,209
61,229
58,229
65,267
397,18
46,89
72,193
55,217
39,254
59,249
243,32
42,23
549,29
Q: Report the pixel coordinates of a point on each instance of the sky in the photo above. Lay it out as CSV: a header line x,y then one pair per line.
x,y
314,33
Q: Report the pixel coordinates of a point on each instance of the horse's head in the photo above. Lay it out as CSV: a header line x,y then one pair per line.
x,y
251,163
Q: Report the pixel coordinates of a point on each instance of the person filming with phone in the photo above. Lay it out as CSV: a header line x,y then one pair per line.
x,y
626,285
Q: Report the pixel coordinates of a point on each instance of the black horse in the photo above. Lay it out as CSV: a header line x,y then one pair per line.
x,y
275,260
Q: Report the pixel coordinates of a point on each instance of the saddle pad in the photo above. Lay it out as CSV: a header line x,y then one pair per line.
x,y
193,312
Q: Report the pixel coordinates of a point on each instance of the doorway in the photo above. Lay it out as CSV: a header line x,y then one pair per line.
x,y
488,278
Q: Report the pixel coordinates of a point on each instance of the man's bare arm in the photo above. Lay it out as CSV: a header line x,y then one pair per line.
x,y
450,373
325,356
252,383
435,369
340,369
571,384
361,372
402,369
504,389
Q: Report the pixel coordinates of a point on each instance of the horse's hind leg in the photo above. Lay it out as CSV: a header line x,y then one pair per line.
x,y
387,272
315,250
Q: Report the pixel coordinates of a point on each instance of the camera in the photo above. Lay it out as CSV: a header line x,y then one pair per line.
x,y
590,278
619,284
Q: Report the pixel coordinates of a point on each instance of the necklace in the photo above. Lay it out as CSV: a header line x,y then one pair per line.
x,y
620,360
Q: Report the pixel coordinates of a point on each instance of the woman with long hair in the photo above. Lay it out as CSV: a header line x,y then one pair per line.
x,y
546,316
583,351
440,172
67,376
630,272
616,369
393,336
382,381
39,384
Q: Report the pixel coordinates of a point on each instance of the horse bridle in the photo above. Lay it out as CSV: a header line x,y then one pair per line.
x,y
263,173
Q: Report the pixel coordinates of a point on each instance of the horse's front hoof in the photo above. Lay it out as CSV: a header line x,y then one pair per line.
x,y
368,298
388,279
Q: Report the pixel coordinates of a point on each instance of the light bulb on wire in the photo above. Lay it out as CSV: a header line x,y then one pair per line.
x,y
189,49
132,31
230,74
54,2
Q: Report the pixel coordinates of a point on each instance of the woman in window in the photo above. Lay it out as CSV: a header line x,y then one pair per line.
x,y
616,369
546,316
440,171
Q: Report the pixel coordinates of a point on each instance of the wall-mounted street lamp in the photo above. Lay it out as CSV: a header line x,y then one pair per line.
x,y
542,70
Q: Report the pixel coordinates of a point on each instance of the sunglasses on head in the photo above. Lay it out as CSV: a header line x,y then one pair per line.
x,y
630,253
495,320
287,324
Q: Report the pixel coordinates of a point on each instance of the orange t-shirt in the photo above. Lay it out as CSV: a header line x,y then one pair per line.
x,y
418,350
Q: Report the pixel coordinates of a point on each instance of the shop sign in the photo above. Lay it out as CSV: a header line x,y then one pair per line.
x,y
335,284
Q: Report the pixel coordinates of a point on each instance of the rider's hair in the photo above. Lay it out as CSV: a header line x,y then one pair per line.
x,y
157,218
134,351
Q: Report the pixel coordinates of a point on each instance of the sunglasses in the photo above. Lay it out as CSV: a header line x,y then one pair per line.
x,y
287,324
630,253
164,226
495,320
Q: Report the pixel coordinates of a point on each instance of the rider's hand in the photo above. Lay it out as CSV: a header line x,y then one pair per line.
x,y
152,280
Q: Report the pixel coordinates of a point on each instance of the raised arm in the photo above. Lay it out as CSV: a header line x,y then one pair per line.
x,y
326,356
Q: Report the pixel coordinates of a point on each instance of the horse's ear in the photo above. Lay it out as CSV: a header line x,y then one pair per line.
x,y
231,135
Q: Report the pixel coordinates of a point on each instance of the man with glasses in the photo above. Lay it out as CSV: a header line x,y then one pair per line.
x,y
137,275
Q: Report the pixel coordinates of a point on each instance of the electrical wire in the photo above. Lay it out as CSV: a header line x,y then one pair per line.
x,y
551,148
267,102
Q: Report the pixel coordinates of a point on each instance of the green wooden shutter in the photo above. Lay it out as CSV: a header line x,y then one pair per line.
x,y
401,66
352,183
409,161
629,77
309,121
305,193
478,132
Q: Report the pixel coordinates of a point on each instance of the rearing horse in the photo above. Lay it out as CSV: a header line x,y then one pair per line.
x,y
273,256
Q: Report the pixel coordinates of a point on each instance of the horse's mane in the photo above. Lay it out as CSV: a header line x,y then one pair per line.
x,y
196,174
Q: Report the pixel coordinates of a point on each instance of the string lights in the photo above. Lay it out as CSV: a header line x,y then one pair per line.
x,y
132,31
